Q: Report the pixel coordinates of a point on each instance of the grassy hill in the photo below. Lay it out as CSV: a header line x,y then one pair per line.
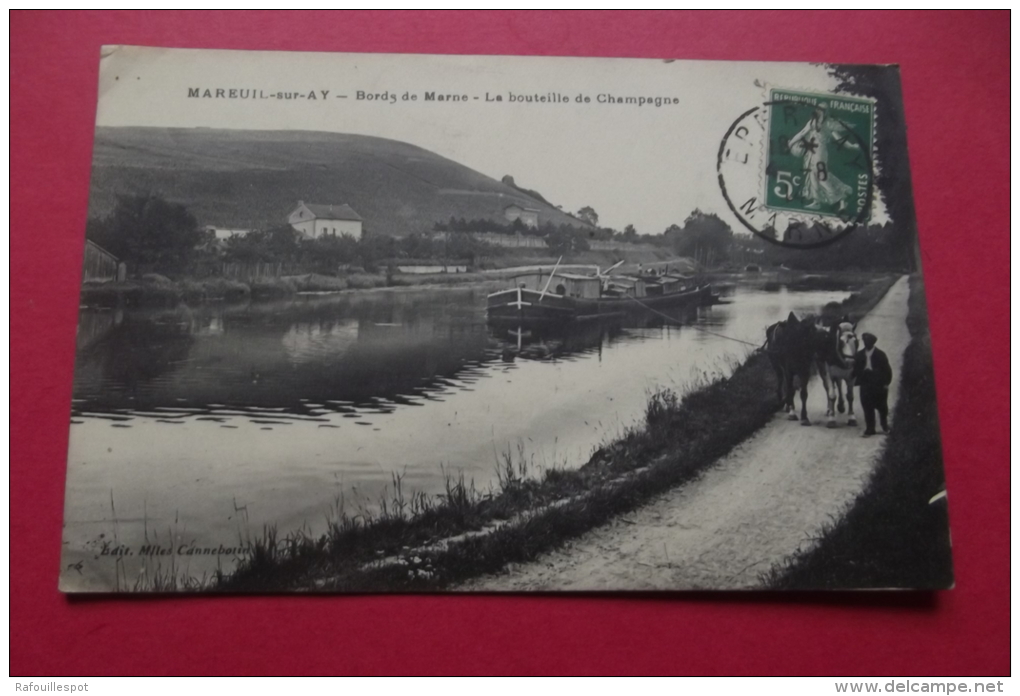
x,y
243,179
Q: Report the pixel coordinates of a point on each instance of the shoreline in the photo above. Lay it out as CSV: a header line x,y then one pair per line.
x,y
420,544
155,292
164,293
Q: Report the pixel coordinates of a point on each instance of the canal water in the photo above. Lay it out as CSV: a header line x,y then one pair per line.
x,y
193,428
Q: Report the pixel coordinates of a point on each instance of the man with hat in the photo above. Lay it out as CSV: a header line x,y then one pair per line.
x,y
874,374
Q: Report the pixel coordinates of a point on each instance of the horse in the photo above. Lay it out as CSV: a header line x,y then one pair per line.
x,y
792,346
836,367
775,349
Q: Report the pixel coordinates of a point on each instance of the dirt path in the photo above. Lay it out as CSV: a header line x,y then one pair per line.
x,y
757,506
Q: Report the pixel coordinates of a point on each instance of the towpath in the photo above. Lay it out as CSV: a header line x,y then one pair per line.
x,y
759,505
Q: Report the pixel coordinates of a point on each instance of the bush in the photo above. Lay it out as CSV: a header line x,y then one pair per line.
x,y
315,282
269,288
213,289
157,279
365,281
146,230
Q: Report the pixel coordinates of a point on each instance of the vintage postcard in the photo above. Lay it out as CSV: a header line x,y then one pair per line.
x,y
377,323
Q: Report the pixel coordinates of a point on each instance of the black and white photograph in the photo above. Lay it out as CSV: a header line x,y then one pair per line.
x,y
397,323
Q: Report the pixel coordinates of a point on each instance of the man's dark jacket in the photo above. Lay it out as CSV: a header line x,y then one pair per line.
x,y
880,374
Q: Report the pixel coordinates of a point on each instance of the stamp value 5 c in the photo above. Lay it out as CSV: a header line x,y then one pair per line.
x,y
817,154
798,169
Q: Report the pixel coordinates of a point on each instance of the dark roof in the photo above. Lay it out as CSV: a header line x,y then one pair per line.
x,y
89,241
333,212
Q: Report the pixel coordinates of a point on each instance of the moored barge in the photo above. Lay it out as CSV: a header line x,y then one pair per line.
x,y
556,297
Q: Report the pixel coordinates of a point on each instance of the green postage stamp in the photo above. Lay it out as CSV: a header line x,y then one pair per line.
x,y
818,158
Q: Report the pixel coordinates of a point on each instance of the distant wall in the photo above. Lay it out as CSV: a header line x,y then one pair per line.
x,y
427,270
612,245
510,240
529,241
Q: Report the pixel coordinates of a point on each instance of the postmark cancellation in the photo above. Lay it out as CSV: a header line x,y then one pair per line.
x,y
798,170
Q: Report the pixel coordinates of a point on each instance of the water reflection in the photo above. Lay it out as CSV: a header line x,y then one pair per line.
x,y
281,355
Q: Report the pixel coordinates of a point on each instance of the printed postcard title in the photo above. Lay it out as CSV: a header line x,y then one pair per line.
x,y
393,97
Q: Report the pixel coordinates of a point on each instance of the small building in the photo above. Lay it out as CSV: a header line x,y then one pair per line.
x,y
100,266
313,220
221,234
529,216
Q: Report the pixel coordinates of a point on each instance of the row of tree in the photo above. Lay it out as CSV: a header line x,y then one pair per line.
x,y
586,214
151,233
327,253
707,238
155,235
461,224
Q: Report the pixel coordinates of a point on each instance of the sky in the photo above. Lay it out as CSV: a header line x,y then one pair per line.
x,y
648,165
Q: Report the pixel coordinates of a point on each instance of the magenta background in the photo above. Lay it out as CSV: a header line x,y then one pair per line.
x,y
955,70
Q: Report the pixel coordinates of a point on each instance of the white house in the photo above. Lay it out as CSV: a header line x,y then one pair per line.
x,y
529,216
314,220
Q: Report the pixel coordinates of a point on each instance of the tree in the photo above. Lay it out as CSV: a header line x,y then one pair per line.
x,y
327,253
282,242
671,235
148,231
565,239
705,237
247,248
629,234
893,175
588,214
375,248
278,244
